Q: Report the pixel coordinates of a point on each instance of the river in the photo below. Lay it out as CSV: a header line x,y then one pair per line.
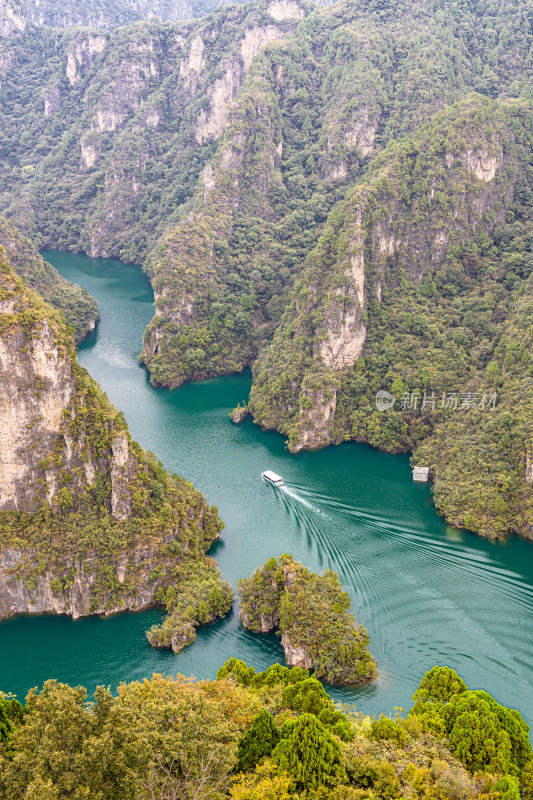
x,y
427,593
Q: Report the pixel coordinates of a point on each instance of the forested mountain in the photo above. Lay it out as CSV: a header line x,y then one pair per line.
x,y
79,308
421,285
108,14
280,172
89,521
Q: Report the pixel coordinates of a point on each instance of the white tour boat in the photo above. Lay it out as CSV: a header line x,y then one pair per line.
x,y
272,478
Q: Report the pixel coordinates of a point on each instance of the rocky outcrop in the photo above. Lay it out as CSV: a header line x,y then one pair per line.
x,y
26,588
123,468
12,22
285,10
80,56
108,14
37,386
310,612
529,468
296,656
43,414
239,413
212,122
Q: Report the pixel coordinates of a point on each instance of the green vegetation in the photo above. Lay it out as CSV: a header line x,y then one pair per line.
x,y
79,308
433,322
258,741
312,615
238,182
94,509
487,736
240,737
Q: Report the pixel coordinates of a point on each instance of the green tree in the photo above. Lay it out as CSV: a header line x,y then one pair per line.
x,y
479,741
259,741
11,714
310,754
438,685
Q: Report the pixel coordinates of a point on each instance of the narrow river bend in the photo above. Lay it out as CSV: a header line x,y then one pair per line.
x,y
427,593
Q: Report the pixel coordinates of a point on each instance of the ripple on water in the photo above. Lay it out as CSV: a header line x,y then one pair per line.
x,y
427,594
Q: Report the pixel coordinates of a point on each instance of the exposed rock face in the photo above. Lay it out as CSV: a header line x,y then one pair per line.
x,y
211,123
107,14
239,413
190,267
296,656
39,596
99,526
372,246
80,57
122,471
12,21
37,375
283,10
38,392
483,164
344,331
529,468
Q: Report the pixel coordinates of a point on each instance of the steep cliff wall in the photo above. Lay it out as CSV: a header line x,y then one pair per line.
x,y
112,13
130,119
399,221
89,522
121,128
195,278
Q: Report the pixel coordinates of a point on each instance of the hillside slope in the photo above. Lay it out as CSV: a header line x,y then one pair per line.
x,y
218,152
108,14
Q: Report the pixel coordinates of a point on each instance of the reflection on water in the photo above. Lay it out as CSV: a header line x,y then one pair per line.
x,y
426,593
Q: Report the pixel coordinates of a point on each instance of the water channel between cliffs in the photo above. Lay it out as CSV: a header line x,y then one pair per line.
x,y
427,593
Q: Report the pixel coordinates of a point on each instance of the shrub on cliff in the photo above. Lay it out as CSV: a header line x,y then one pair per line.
x,y
312,614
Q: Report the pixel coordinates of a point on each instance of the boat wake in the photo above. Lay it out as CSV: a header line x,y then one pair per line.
x,y
417,580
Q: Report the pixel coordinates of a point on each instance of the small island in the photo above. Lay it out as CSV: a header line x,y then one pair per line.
x,y
311,612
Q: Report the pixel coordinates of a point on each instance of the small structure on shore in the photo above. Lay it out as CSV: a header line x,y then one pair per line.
x,y
421,474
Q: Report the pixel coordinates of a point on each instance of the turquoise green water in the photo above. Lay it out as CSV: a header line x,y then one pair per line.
x,y
428,594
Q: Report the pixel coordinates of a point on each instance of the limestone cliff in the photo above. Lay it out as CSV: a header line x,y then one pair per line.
x,y
192,273
383,230
421,286
89,522
12,22
132,100
107,14
311,614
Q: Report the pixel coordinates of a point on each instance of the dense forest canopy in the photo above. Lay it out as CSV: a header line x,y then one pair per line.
x,y
246,159
273,735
